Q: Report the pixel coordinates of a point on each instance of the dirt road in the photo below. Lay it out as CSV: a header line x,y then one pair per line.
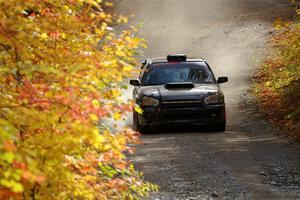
x,y
248,161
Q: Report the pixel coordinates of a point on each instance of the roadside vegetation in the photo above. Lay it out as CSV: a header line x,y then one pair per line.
x,y
277,82
61,70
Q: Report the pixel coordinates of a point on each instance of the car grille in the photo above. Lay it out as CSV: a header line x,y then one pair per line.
x,y
181,102
182,116
181,109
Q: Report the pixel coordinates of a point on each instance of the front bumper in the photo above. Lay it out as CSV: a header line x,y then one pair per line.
x,y
204,114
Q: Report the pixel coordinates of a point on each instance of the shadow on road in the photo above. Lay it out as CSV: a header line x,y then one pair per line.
x,y
179,129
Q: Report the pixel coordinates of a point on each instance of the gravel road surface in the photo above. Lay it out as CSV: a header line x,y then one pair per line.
x,y
251,160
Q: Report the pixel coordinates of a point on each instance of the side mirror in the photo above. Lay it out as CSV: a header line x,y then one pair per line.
x,y
222,79
135,82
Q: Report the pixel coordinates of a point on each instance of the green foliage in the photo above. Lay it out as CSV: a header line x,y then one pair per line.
x,y
61,67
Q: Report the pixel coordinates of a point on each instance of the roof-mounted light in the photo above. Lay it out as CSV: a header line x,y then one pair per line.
x,y
176,58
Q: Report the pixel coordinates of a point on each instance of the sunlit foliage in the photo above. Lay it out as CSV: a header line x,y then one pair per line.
x,y
278,81
61,70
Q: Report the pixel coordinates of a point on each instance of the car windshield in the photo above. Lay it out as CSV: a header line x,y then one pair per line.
x,y
163,73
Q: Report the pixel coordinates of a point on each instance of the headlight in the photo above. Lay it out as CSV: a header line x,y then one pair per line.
x,y
214,99
148,101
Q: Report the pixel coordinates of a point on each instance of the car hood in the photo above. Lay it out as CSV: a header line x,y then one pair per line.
x,y
162,93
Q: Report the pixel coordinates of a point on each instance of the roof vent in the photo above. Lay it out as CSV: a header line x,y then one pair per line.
x,y
179,85
176,58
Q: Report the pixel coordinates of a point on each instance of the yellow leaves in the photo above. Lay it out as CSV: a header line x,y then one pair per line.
x,y
143,44
44,36
120,53
127,69
63,36
109,4
117,116
96,103
100,138
104,26
7,130
13,185
66,8
9,176
113,94
137,109
128,38
280,24
122,19
93,117
278,77
8,157
72,66
95,3
268,83
102,15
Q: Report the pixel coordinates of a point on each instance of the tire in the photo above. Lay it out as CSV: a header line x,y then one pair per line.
x,y
219,127
137,126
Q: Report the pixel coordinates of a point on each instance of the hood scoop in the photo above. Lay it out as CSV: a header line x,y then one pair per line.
x,y
179,85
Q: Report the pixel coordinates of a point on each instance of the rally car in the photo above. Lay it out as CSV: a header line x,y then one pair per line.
x,y
178,90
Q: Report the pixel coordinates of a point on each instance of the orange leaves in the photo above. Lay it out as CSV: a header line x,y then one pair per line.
x,y
121,165
132,136
118,184
19,165
46,12
9,79
8,145
29,88
84,168
54,35
6,194
33,95
27,176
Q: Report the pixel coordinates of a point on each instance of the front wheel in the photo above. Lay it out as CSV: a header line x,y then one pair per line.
x,y
136,124
219,127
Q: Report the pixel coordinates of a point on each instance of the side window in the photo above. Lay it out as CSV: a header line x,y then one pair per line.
x,y
211,72
143,67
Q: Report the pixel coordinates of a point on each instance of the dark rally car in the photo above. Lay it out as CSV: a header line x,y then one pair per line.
x,y
175,90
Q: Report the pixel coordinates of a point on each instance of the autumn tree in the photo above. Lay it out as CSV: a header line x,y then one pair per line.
x,y
61,70
278,80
